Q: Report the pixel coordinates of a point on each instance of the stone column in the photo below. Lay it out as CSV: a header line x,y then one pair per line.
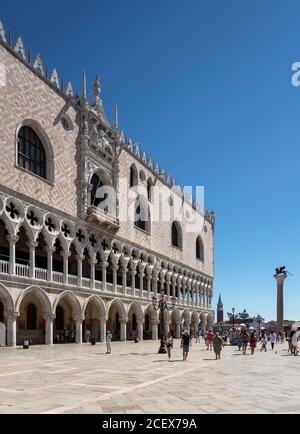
x,y
114,265
198,294
79,258
66,256
79,319
140,327
161,277
12,239
142,275
154,324
50,251
123,322
124,275
203,295
174,280
189,289
11,318
168,282
92,263
155,280
149,277
133,265
179,281
32,246
105,264
184,281
102,329
193,286
280,278
49,329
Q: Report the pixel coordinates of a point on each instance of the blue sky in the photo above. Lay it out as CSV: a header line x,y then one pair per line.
x,y
205,86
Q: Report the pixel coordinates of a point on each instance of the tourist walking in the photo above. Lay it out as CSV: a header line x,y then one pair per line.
x,y
245,340
198,334
87,335
185,344
263,342
253,342
108,342
218,345
273,340
209,340
169,344
239,341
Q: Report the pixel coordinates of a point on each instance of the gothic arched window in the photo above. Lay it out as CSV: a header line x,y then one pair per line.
x,y
199,249
31,152
176,235
149,189
142,217
134,177
96,197
31,317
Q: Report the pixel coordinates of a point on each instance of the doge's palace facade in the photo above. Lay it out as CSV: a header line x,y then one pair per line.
x,y
90,228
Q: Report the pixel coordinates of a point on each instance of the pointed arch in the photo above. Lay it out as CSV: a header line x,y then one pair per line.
x,y
73,300
199,248
176,235
133,176
98,303
136,308
40,294
120,307
31,132
142,215
6,298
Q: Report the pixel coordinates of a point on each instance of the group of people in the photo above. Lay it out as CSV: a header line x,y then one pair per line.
x,y
65,336
216,342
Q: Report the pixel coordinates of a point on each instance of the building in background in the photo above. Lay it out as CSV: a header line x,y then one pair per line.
x,y
220,311
69,260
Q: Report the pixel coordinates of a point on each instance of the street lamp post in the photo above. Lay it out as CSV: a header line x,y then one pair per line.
x,y
162,305
233,316
259,321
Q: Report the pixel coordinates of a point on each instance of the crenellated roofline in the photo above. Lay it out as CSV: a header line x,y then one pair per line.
x,y
95,111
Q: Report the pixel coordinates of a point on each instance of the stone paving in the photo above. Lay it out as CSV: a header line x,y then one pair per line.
x,y
135,379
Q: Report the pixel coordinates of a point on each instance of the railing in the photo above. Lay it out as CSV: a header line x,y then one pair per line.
x,y
58,277
22,270
109,287
120,289
41,274
72,280
98,284
86,282
4,267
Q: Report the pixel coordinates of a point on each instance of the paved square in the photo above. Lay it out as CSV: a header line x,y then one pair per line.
x,y
135,379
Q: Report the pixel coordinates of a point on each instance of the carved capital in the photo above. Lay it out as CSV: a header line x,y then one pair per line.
x,y
49,317
12,316
12,239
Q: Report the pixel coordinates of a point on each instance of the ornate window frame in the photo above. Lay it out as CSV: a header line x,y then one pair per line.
x,y
39,130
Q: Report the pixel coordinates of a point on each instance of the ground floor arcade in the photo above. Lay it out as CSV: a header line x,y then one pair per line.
x,y
67,317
